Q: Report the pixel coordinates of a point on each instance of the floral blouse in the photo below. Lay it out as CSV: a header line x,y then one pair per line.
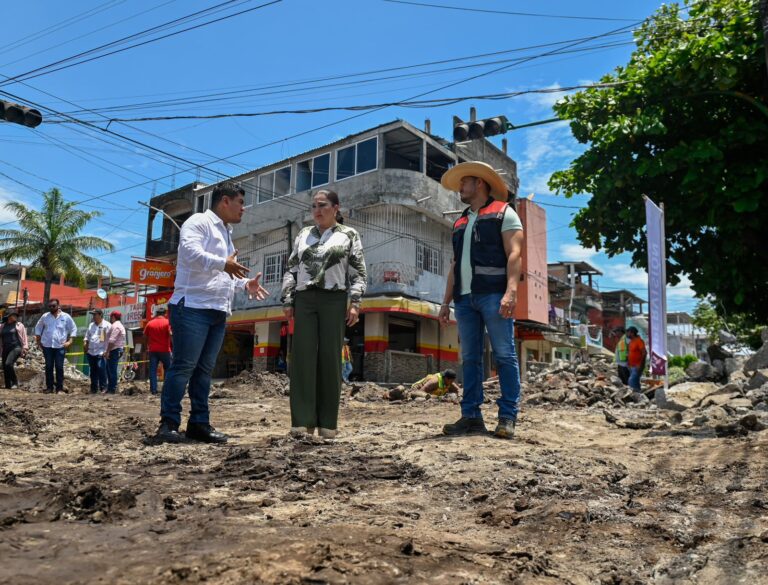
x,y
331,261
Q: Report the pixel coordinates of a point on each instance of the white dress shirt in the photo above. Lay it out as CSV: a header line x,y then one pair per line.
x,y
97,336
55,330
204,245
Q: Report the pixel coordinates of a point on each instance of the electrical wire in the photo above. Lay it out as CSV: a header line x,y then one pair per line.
x,y
508,13
66,63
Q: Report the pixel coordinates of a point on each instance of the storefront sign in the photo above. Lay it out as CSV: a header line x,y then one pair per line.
x,y
152,273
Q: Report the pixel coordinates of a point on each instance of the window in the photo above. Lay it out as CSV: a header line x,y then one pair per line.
x,y
356,159
274,266
266,183
157,226
313,172
429,259
201,204
244,260
249,186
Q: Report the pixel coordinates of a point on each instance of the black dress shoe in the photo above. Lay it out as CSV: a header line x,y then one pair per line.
x,y
205,433
168,432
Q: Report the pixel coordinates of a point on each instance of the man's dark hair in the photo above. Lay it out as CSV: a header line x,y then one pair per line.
x,y
227,189
619,330
98,312
12,313
54,301
449,374
632,330
161,311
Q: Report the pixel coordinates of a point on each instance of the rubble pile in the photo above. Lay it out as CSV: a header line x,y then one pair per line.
x,y
264,383
728,396
33,365
372,392
579,385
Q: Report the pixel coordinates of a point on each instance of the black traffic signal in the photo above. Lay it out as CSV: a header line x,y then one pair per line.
x,y
463,131
17,114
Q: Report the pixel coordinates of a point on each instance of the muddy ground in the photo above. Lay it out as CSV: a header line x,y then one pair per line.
x,y
573,499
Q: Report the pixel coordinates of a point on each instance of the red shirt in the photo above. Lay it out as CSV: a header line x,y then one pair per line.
x,y
158,334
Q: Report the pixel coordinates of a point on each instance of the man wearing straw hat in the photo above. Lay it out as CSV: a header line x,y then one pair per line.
x,y
482,283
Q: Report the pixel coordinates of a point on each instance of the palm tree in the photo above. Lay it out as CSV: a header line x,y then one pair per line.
x,y
50,241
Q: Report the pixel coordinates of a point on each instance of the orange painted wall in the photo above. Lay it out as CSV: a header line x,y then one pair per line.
x,y
533,292
70,295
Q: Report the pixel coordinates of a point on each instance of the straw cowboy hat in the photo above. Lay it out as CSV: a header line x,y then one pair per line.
x,y
453,176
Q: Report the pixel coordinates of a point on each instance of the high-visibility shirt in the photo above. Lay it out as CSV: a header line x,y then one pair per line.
x,y
622,350
345,354
441,386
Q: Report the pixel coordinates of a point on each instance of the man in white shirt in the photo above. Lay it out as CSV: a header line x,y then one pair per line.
x,y
54,332
115,349
95,346
207,273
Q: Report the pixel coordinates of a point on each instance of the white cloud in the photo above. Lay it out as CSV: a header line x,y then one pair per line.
x,y
627,277
6,196
577,253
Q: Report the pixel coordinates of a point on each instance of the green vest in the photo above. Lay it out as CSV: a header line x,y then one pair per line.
x,y
622,350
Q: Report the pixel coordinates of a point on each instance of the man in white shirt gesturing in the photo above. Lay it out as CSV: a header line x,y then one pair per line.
x,y
207,273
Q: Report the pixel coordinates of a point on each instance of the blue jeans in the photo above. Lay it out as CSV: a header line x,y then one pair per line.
x,y
634,378
112,362
98,368
54,358
197,338
156,357
346,370
476,313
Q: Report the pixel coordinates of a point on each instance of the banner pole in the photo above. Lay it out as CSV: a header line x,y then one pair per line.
x,y
664,286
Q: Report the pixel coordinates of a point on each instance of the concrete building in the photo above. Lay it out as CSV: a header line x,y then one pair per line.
x,y
388,181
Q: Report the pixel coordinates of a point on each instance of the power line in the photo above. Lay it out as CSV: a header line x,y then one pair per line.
x,y
508,13
438,102
88,34
59,26
51,68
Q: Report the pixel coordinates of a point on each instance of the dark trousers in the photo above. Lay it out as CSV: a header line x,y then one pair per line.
x,y
197,338
112,362
623,374
156,357
54,360
316,365
9,359
98,367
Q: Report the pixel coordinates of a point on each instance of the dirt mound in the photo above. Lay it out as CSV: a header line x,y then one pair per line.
x,y
261,383
17,419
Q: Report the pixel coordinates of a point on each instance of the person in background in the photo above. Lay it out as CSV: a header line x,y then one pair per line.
x,y
622,355
95,348
346,361
281,366
115,350
438,384
322,287
13,345
636,358
158,335
54,332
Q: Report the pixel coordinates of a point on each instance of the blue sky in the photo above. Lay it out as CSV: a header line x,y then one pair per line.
x,y
289,42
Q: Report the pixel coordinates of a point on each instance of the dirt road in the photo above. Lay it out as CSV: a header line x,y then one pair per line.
x,y
573,499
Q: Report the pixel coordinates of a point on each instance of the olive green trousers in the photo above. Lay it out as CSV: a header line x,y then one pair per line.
x,y
319,325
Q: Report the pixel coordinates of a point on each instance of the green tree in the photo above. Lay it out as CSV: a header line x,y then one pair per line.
x,y
686,123
50,241
743,326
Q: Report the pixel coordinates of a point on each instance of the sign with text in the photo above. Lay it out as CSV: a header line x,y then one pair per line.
x,y
657,294
152,273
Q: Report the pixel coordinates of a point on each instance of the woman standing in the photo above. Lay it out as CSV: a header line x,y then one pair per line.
x,y
322,287
13,344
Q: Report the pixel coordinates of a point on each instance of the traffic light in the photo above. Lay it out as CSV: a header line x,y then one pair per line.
x,y
17,114
463,131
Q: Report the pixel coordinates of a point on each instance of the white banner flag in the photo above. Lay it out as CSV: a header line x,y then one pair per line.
x,y
657,283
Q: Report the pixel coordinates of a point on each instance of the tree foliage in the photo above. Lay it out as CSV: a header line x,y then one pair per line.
x,y
51,241
686,123
742,326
